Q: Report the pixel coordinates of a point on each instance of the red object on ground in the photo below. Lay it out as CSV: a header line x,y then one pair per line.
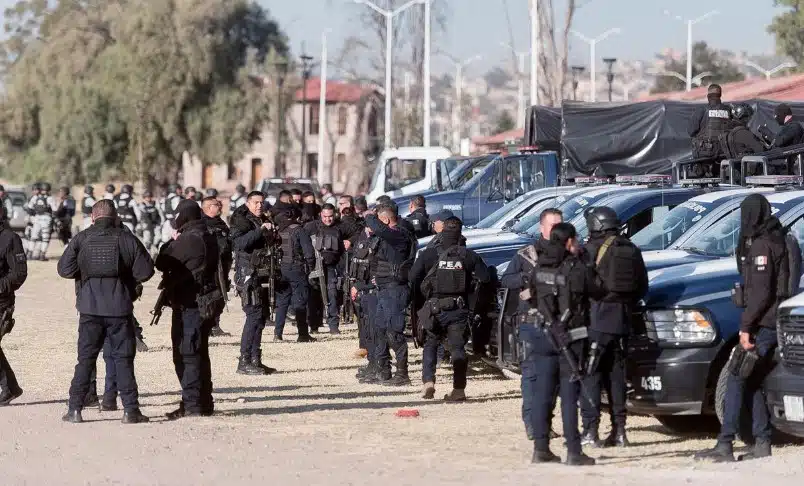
x,y
407,413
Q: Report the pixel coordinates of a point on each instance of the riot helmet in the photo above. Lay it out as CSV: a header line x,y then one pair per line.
x,y
88,190
742,112
172,188
110,189
45,186
127,189
600,219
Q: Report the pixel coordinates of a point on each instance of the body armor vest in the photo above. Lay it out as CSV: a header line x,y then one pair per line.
x,y
41,205
236,202
364,260
290,253
447,278
125,208
99,256
397,271
170,207
150,215
554,295
86,205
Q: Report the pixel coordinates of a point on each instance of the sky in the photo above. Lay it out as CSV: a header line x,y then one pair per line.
x,y
478,26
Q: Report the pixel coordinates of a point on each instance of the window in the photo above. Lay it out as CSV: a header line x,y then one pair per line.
x,y
340,166
312,166
314,120
343,115
231,171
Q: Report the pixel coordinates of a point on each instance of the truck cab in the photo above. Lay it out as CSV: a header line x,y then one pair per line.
x,y
500,181
406,170
784,386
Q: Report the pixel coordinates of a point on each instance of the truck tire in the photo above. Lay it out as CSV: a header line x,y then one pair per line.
x,y
688,424
744,432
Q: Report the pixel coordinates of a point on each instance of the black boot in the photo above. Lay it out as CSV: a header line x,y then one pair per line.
x,y
91,400
306,339
381,376
218,332
543,456
401,378
7,396
109,403
257,362
762,448
579,459
617,438
73,416
369,369
722,452
589,437
134,417
245,367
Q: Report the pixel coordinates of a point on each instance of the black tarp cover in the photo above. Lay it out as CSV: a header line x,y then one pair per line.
x,y
543,127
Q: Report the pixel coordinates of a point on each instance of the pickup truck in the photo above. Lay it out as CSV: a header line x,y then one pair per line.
x,y
406,170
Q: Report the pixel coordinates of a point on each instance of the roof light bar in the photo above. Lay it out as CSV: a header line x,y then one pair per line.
x,y
591,180
774,180
704,181
644,179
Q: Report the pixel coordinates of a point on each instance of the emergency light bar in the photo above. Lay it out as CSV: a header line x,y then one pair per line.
x,y
529,148
644,179
774,180
705,181
591,180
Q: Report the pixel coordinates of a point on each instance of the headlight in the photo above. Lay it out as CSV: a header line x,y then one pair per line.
x,y
680,326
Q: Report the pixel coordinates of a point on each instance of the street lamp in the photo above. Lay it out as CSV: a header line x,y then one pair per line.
x,y
520,84
389,34
690,23
592,45
456,109
610,74
771,72
307,67
576,72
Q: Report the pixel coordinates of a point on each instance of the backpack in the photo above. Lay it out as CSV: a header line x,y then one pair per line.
x,y
787,284
619,264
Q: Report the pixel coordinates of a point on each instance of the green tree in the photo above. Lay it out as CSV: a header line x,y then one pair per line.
x,y
704,59
505,122
94,87
788,27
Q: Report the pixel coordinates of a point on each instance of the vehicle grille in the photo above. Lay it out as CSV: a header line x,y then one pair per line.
x,y
791,339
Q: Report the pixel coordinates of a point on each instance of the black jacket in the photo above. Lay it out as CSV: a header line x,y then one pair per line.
x,y
791,134
189,263
13,265
331,258
108,296
395,244
352,227
247,236
217,226
701,123
745,142
435,242
517,276
421,223
474,266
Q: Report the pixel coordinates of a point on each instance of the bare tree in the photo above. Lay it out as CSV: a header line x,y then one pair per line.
x,y
554,52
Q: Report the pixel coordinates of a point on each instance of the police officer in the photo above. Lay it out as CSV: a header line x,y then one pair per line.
x,y
86,206
107,262
361,206
310,209
63,216
560,287
212,207
395,255
252,236
418,217
364,293
709,123
29,221
109,194
127,208
327,197
740,140
41,207
328,245
6,203
189,193
236,200
13,273
189,263
293,289
438,226
791,133
623,281
296,196
517,279
444,278
171,203
761,258
345,201
150,222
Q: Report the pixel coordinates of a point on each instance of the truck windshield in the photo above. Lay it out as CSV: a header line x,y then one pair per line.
x,y
403,172
662,233
718,240
475,169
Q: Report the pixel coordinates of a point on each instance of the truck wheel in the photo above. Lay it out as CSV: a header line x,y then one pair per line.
x,y
687,424
744,432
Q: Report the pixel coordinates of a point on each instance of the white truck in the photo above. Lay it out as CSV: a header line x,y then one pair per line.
x,y
405,170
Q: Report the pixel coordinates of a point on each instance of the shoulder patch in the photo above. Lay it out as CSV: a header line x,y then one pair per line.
x,y
20,257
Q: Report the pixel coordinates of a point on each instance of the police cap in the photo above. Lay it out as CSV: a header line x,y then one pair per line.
x,y
742,111
147,194
602,219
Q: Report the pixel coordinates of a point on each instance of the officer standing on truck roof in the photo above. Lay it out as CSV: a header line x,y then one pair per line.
x,y
764,254
708,124
623,281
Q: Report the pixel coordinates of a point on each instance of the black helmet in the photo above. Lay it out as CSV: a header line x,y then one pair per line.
x,y
147,194
35,186
45,186
602,219
89,189
742,111
110,188
240,188
172,188
211,192
127,188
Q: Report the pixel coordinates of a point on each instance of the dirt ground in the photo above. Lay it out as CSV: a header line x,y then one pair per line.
x,y
311,423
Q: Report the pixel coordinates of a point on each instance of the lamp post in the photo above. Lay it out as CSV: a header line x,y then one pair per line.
x,y
610,74
770,72
592,47
690,23
279,162
576,72
389,35
456,108
307,67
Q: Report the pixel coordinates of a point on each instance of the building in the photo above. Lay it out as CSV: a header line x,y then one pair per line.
x,y
351,128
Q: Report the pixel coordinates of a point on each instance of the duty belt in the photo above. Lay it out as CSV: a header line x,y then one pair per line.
x,y
446,303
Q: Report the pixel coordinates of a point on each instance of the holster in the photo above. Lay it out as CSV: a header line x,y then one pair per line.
x,y
426,322
445,304
738,296
742,363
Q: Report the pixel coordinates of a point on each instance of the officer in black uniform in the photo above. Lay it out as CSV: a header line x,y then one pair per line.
x,y
740,140
328,244
127,208
762,259
438,226
86,207
252,236
444,278
13,272
212,207
296,195
791,133
106,262
395,256
63,216
150,222
517,280
310,210
709,123
364,294
293,289
623,281
560,287
418,217
189,263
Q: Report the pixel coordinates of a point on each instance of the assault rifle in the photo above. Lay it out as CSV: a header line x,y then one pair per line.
x,y
347,309
161,302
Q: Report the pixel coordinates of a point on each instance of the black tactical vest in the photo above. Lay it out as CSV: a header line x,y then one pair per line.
x,y
99,255
447,278
364,259
125,208
150,215
41,205
328,239
290,253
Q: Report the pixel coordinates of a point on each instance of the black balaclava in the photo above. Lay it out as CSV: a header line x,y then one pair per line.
x,y
450,237
781,112
756,218
714,94
188,211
